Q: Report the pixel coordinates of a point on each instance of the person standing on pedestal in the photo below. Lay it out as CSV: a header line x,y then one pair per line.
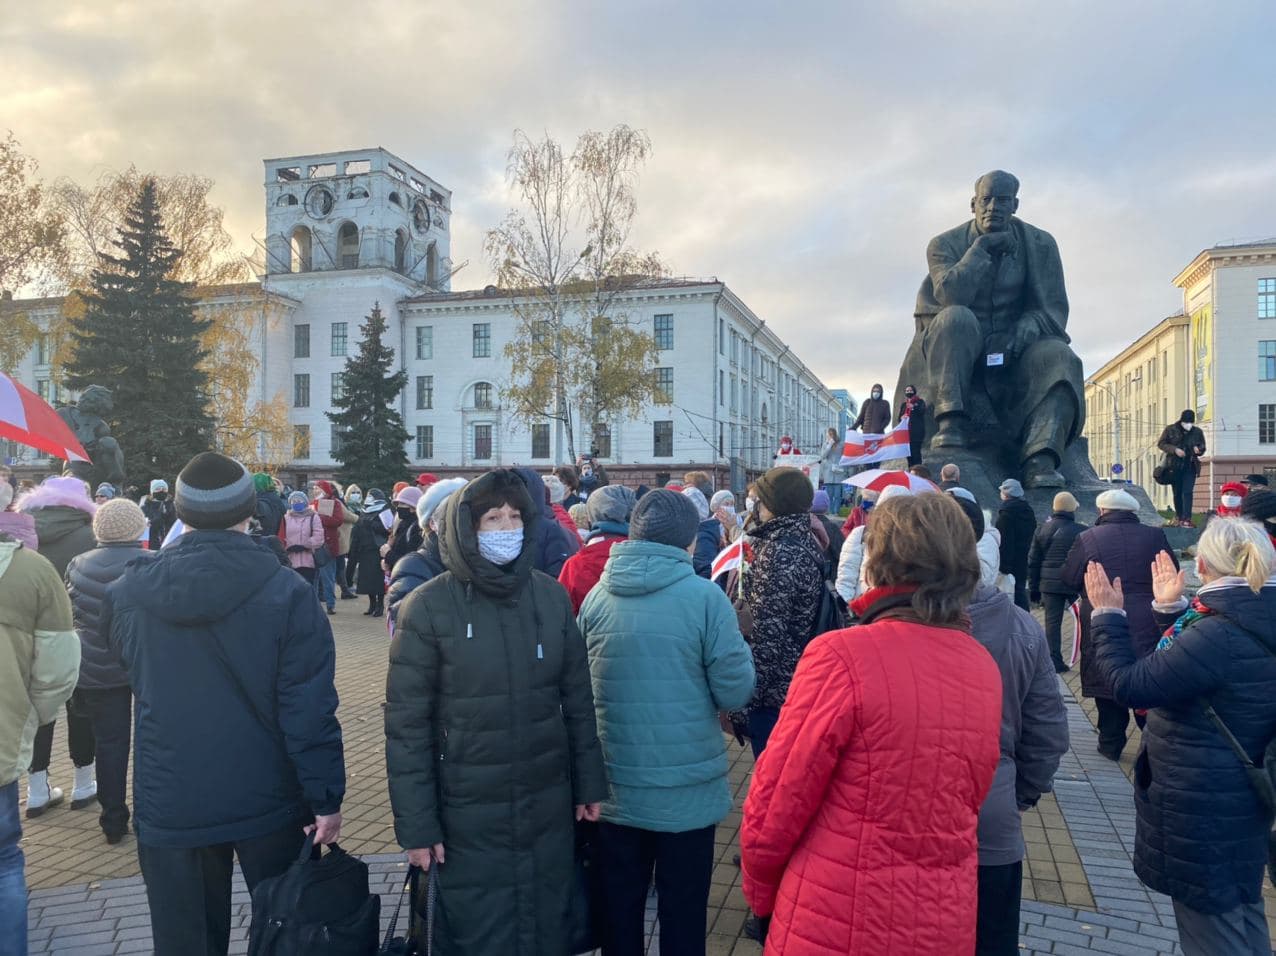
x,y
1017,526
875,414
1183,444
914,409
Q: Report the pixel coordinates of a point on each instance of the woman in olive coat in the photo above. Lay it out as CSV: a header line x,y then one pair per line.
x,y
492,749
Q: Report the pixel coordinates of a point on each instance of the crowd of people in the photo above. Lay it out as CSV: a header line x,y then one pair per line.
x,y
564,659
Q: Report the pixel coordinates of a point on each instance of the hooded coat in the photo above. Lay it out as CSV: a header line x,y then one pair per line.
x,y
875,415
1017,524
553,544
491,737
1200,830
63,524
366,539
87,578
231,662
583,569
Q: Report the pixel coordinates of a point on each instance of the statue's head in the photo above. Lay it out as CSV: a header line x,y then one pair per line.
x,y
996,199
96,400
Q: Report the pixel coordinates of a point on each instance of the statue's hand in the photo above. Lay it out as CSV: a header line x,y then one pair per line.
x,y
1026,332
996,243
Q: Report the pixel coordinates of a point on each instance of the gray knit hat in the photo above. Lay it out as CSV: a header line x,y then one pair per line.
x,y
664,517
610,503
118,520
214,492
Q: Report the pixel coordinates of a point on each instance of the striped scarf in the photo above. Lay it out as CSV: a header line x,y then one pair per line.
x,y
1195,611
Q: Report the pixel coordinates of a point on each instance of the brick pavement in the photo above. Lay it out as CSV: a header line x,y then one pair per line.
x,y
1080,895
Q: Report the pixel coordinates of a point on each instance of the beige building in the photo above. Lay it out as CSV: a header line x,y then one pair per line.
x,y
1130,400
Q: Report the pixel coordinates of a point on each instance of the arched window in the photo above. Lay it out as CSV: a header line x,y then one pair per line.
x,y
483,395
287,199
431,265
348,246
300,250
357,193
400,250
396,199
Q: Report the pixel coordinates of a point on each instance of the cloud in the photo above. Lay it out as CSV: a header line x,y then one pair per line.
x,y
804,156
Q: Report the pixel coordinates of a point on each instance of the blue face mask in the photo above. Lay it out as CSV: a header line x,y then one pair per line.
x,y
299,507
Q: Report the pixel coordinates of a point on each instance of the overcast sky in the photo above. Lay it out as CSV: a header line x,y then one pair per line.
x,y
804,153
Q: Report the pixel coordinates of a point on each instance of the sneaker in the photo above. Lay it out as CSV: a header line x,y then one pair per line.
x,y
332,610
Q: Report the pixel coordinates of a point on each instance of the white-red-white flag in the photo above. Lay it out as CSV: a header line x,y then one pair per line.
x,y
728,559
867,449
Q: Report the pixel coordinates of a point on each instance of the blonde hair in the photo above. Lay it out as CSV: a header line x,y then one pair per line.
x,y
1237,547
579,513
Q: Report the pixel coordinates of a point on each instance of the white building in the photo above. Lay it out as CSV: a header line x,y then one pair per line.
x,y
352,229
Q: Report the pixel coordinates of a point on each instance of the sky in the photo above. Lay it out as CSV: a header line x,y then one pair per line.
x,y
803,153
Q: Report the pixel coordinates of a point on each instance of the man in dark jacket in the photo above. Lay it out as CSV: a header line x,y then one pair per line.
x,y
1016,524
1049,551
103,692
1034,736
270,507
875,414
552,545
238,750
1126,549
159,511
1183,444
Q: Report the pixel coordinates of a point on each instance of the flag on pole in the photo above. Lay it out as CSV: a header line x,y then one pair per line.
x,y
728,559
867,449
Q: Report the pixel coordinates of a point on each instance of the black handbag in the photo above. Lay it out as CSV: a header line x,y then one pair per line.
x,y
584,910
420,939
1163,474
319,906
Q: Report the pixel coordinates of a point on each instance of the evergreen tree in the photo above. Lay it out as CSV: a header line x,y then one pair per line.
x,y
372,449
139,336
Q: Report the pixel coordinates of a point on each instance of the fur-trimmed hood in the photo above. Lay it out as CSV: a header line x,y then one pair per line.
x,y
66,492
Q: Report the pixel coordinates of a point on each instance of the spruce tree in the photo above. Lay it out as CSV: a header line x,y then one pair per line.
x,y
373,439
139,336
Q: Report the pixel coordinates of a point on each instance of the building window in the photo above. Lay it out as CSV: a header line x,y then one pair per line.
x,y
541,332
43,350
664,386
339,338
1267,298
301,341
336,441
1267,424
483,395
301,441
400,250
482,340
664,332
425,391
348,246
425,341
301,390
43,390
735,394
338,387
482,442
663,444
1267,360
722,336
735,348
722,387
424,441
540,441
602,440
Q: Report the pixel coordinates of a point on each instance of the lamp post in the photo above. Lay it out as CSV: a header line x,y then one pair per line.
x,y
1114,393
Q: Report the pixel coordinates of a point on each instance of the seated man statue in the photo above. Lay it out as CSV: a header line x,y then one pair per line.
x,y
990,348
86,420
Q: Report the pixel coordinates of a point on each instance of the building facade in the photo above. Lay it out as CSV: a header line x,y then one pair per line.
x,y
353,229
1218,358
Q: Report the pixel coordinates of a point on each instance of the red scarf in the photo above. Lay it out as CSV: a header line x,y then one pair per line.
x,y
861,605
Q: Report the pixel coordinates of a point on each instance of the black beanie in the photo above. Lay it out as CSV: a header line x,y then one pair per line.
x,y
664,517
973,512
785,491
214,492
1188,416
1260,505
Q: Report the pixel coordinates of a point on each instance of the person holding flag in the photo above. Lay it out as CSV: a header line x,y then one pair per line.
x,y
913,410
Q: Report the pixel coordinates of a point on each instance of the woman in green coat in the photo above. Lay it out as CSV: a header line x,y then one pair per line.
x,y
491,745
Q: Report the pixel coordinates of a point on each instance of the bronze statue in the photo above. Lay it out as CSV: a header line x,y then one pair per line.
x,y
86,420
990,348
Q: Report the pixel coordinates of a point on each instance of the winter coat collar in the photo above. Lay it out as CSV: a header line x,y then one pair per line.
x,y
876,602
1063,516
641,567
1117,517
458,544
614,528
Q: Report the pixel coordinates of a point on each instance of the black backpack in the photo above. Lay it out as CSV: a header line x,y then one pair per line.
x,y
319,906
828,614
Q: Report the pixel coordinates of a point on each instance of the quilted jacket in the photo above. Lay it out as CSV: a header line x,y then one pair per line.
x,y
859,831
665,655
1201,834
583,569
1049,552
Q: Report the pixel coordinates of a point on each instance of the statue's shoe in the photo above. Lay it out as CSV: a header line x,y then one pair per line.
x,y
1039,472
951,434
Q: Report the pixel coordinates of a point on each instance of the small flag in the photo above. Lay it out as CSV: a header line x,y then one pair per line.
x,y
867,449
728,559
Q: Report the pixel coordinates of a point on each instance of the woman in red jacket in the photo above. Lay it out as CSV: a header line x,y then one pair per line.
x,y
859,828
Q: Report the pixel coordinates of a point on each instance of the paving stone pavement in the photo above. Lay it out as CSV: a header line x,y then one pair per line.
x,y
1080,894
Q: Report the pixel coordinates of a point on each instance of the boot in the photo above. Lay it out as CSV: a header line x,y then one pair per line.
x,y
40,796
380,609
372,606
85,791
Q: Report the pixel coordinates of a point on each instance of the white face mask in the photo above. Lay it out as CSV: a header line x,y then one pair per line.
x,y
1187,426
750,503
877,394
501,547
355,499
1231,501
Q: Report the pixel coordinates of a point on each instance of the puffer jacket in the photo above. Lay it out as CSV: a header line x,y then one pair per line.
x,y
1201,832
874,417
39,652
270,511
231,662
413,570
846,825
1126,549
553,543
87,578
1034,725
583,569
303,531
708,544
63,531
782,591
1049,553
491,738
665,655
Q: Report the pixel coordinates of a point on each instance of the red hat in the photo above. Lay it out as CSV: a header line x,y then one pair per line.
x,y
426,479
326,487
1235,488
